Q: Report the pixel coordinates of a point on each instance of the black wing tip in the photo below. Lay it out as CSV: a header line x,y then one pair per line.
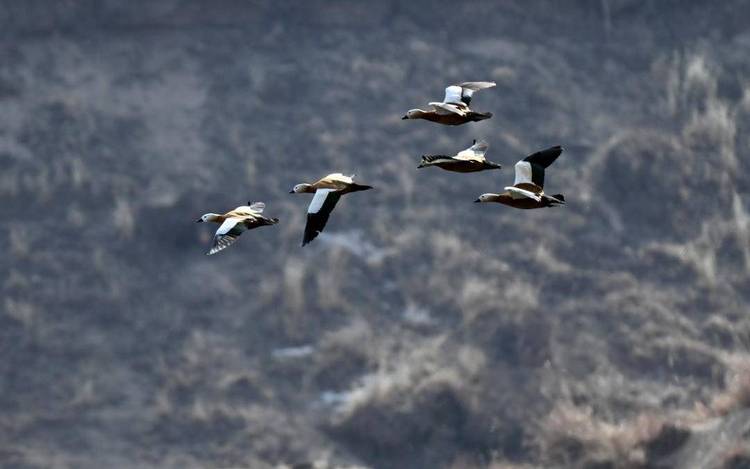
x,y
545,157
557,150
309,238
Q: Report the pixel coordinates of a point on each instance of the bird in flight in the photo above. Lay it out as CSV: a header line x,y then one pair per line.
x,y
527,190
454,109
466,161
327,192
235,222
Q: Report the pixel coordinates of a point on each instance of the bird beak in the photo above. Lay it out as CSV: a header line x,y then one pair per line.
x,y
477,201
291,191
420,166
404,118
200,220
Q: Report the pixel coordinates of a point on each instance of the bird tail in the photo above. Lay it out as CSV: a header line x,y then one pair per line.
x,y
557,199
271,221
354,187
480,116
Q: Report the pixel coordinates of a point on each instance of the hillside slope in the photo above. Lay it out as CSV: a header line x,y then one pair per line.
x,y
420,330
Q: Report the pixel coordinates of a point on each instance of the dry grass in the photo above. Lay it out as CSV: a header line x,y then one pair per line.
x,y
574,435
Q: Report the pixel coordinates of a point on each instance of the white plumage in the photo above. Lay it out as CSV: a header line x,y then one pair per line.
x,y
319,199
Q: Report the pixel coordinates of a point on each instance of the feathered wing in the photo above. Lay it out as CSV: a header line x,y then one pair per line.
x,y
477,85
318,212
530,170
449,108
474,152
453,94
464,91
227,234
340,177
518,193
256,206
523,173
546,157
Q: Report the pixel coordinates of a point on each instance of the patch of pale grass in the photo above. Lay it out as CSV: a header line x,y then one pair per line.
x,y
570,432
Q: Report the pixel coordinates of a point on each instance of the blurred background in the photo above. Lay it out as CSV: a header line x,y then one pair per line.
x,y
420,330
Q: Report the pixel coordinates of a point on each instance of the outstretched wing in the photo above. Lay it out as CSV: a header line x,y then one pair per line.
x,y
340,177
449,108
453,94
256,206
546,157
518,193
462,93
474,152
318,212
227,234
530,170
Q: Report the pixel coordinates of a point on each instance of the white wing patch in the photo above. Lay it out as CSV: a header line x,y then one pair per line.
x,y
222,238
318,200
474,152
341,177
448,108
517,193
228,224
453,94
257,207
523,173
457,93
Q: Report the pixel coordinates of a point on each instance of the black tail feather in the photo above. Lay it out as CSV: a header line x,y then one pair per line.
x,y
479,116
556,199
354,187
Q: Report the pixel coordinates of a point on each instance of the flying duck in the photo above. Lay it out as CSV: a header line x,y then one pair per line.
x,y
466,161
234,223
327,192
528,189
454,109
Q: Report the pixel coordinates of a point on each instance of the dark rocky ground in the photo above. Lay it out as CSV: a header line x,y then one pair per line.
x,y
421,330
